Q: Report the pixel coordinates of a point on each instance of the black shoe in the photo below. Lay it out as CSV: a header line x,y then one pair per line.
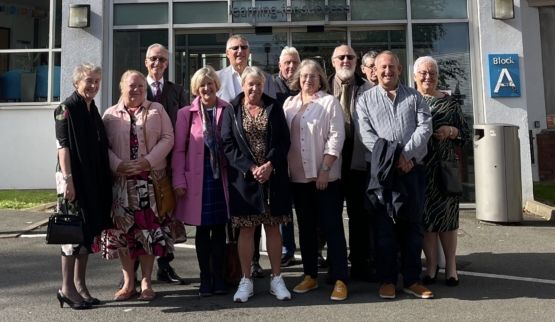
x,y
92,301
219,285
256,270
322,262
205,288
451,281
168,275
74,305
428,280
287,260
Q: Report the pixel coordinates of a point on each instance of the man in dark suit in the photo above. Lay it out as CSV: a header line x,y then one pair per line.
x,y
173,97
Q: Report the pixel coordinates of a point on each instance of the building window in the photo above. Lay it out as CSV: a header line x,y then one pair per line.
x,y
200,12
439,9
130,51
378,10
448,43
30,51
140,14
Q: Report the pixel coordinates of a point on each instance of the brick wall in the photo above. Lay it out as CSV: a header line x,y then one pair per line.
x,y
546,154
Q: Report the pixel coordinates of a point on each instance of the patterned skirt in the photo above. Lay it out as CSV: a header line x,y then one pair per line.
x,y
138,229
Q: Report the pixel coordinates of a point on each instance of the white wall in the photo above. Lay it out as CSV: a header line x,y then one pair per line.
x,y
83,46
505,37
28,148
533,72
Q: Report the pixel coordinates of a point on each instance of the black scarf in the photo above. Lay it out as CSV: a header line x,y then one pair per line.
x,y
90,166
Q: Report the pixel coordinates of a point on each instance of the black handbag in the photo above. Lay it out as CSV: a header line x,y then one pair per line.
x,y
451,177
64,228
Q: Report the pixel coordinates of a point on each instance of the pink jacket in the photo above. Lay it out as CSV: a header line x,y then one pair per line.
x,y
188,166
159,134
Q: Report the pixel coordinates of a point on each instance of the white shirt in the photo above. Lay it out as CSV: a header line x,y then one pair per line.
x,y
321,132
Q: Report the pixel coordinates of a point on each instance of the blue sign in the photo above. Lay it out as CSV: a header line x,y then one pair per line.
x,y
504,75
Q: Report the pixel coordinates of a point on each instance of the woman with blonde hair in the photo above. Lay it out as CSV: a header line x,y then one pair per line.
x,y
140,135
200,177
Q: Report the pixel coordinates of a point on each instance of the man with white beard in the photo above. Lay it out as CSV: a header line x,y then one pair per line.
x,y
347,87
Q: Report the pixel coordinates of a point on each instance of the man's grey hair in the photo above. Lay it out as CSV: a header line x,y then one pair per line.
x,y
236,36
289,51
372,54
162,47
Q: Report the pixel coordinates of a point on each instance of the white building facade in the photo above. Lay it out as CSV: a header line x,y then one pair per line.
x,y
460,34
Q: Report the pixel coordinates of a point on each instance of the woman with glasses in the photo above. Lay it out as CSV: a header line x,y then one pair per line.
x,y
441,210
315,120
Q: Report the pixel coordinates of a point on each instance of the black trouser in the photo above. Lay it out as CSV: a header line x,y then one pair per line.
x,y
361,242
210,246
323,209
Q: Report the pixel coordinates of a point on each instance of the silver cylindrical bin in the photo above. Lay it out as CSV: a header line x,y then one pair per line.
x,y
497,170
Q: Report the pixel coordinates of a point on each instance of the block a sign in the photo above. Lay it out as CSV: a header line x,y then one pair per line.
x,y
504,75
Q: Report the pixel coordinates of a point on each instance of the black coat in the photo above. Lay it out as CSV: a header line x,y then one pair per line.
x,y
83,133
246,195
173,98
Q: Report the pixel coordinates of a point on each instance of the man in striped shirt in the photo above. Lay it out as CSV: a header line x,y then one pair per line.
x,y
397,114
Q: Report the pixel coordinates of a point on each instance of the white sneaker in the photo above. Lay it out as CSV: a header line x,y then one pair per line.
x,y
278,288
244,291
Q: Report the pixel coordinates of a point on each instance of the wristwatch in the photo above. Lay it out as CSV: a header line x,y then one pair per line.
x,y
67,176
325,168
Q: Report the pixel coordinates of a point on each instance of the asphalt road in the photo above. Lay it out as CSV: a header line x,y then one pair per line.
x,y
506,273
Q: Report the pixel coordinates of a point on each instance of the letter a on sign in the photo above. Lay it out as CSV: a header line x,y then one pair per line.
x,y
504,75
504,80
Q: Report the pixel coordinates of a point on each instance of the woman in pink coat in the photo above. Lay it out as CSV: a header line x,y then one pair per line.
x,y
200,177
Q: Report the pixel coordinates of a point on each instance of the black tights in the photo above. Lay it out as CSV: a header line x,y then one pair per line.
x,y
210,246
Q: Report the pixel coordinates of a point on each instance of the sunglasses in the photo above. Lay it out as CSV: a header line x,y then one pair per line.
x,y
342,57
160,59
235,48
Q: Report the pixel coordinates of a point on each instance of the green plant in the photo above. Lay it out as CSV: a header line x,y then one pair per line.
x,y
20,199
545,192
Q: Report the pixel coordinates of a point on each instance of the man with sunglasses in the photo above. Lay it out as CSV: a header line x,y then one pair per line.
x,y
173,97
238,52
347,86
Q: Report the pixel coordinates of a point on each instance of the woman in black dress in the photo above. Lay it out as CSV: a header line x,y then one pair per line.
x,y
441,210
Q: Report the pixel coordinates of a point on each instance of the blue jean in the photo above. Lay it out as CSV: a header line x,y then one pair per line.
x,y
404,236
321,209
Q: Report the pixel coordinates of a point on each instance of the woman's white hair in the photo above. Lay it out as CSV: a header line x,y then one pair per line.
x,y
422,60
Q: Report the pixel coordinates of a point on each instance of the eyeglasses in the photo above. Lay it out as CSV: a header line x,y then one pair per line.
x,y
235,48
424,73
342,57
160,59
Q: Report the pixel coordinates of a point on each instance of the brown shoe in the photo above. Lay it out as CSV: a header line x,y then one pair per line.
x,y
147,295
419,290
339,292
387,291
308,284
124,295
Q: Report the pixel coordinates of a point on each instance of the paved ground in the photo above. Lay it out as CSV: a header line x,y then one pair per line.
x,y
506,274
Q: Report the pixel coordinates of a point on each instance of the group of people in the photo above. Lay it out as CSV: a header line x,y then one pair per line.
x,y
249,149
